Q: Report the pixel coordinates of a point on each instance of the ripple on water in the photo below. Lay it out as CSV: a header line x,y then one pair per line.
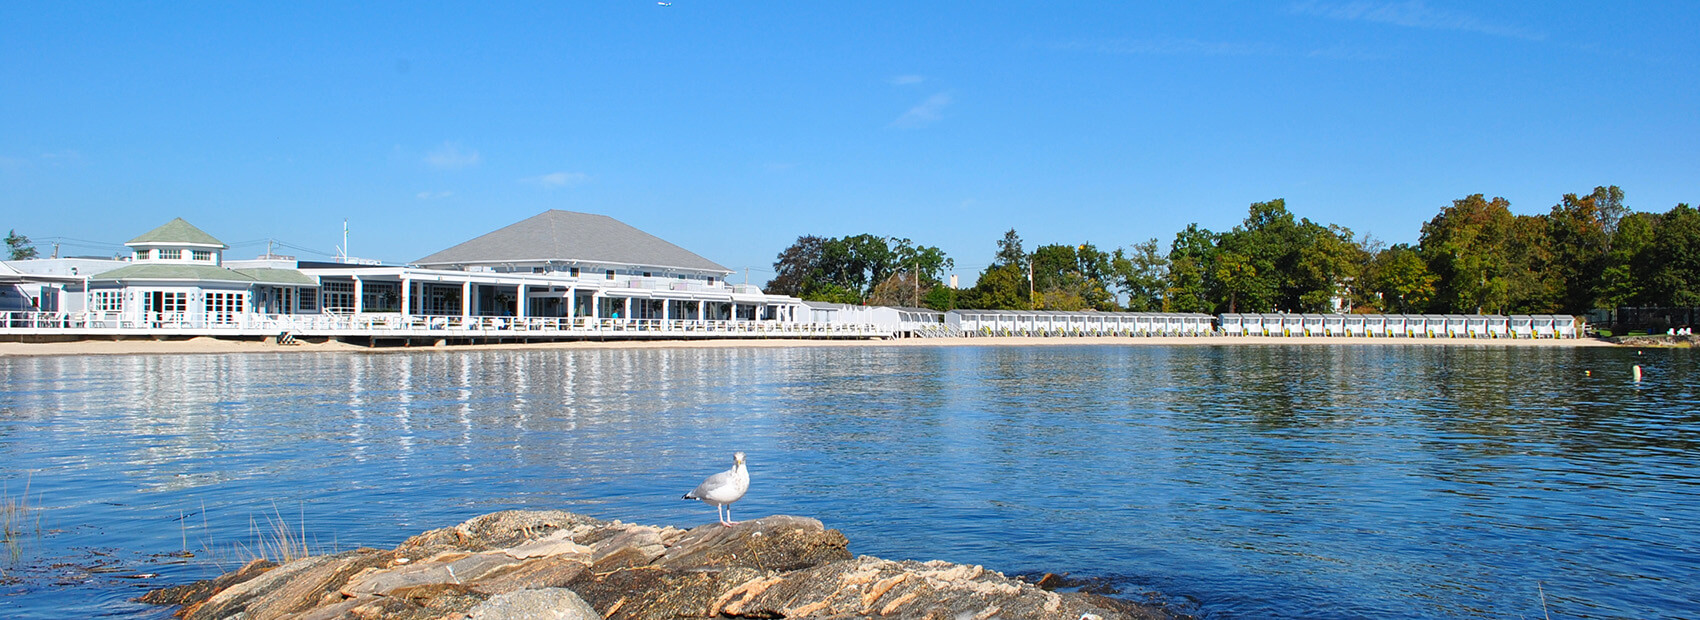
x,y
1237,482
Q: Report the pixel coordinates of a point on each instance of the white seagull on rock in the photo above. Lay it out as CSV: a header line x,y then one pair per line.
x,y
724,488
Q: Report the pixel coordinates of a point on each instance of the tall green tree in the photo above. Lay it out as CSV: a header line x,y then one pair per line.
x,y
847,269
797,267
1141,273
19,246
1624,280
1580,230
1073,277
1673,261
1191,283
1000,287
1402,280
1009,251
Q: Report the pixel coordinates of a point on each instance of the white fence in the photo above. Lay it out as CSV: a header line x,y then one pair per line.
x,y
398,326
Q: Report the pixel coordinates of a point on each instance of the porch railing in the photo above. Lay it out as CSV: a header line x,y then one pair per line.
x,y
375,324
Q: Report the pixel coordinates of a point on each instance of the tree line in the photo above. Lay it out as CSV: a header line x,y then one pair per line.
x,y
1475,256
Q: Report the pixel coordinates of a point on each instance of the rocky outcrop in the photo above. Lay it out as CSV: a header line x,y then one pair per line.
x,y
551,564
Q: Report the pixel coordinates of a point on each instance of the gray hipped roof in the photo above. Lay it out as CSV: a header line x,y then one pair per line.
x,y
565,236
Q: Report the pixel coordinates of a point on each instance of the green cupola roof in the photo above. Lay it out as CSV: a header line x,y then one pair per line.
x,y
175,232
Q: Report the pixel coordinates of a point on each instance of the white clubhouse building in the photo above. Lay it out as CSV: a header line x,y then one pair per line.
x,y
558,274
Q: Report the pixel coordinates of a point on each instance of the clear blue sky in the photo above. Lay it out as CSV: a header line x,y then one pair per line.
x,y
731,128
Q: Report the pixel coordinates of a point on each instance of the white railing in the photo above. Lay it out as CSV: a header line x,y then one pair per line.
x,y
396,325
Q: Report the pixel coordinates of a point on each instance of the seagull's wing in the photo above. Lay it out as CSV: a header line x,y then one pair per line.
x,y
722,479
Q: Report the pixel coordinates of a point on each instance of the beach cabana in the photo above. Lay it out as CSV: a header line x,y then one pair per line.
x,y
1375,325
1334,325
1522,326
1253,325
1310,324
1475,326
1542,326
1498,326
1566,326
1233,325
1457,326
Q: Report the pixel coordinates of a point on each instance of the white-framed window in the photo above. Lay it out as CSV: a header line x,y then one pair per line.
x,y
610,274
573,271
338,296
223,307
203,256
165,301
381,296
106,301
309,300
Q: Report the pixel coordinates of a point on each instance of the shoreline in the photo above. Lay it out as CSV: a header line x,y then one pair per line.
x,y
209,345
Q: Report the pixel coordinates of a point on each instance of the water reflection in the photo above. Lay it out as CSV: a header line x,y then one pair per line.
x,y
1255,481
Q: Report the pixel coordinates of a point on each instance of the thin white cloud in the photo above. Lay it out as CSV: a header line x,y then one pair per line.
x,y
449,156
434,195
925,113
1166,46
558,179
1411,14
907,80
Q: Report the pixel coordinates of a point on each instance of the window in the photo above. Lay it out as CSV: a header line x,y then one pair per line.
x,y
225,308
380,296
338,296
285,300
309,300
164,302
203,256
106,301
610,274
574,271
645,274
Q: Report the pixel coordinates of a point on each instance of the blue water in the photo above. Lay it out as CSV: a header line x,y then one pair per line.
x,y
1229,482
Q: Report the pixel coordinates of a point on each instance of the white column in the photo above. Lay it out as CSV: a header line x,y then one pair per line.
x,y
359,295
466,298
627,313
519,304
406,296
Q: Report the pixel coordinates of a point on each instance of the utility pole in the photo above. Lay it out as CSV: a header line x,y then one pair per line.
x,y
915,274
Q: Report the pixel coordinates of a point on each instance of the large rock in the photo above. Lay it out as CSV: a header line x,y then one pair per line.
x,y
556,564
544,604
778,543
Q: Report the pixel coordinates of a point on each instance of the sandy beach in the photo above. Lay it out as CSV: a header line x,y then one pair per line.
x,y
215,345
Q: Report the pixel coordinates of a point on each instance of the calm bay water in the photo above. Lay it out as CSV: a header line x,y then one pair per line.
x,y
1239,482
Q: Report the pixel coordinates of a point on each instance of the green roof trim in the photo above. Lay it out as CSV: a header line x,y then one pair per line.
x,y
268,275
177,231
206,273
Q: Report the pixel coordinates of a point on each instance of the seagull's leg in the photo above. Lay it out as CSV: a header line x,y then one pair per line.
x,y
729,521
720,513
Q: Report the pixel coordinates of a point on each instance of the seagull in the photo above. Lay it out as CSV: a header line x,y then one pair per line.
x,y
724,488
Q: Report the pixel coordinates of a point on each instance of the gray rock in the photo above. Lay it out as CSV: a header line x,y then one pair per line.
x,y
542,604
519,564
